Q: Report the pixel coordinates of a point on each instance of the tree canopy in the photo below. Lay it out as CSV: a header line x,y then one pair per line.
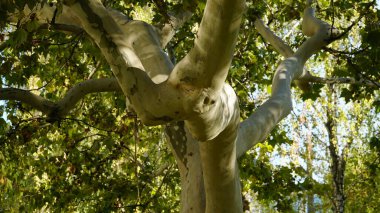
x,y
97,155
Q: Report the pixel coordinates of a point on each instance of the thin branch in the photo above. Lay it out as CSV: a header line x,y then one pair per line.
x,y
61,27
363,75
347,30
341,52
159,187
62,107
87,124
341,80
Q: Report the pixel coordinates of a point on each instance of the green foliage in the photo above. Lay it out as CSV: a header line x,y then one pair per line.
x,y
73,165
84,162
313,93
278,137
374,144
273,184
18,37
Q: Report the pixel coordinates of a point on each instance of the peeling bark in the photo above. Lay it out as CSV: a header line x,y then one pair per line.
x,y
186,152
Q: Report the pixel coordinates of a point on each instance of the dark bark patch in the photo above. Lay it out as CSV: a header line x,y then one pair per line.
x,y
164,118
208,101
187,79
133,90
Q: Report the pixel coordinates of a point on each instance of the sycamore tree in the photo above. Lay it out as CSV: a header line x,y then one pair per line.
x,y
69,49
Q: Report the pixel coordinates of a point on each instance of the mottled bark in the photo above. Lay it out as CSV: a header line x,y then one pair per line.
x,y
187,154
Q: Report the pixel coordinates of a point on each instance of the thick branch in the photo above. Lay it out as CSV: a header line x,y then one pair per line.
x,y
134,44
257,127
201,74
62,107
321,34
207,64
259,124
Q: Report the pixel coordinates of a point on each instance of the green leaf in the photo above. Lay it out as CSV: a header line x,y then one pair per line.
x,y
373,37
19,37
32,25
31,3
313,93
346,94
374,143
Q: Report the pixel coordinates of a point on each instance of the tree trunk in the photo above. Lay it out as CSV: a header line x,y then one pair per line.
x,y
309,169
186,152
338,163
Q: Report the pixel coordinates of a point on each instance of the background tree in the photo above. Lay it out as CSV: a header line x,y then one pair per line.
x,y
92,153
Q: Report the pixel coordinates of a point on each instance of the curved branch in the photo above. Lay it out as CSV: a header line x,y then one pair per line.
x,y
62,107
26,96
130,49
86,87
283,48
149,57
175,22
303,82
273,39
258,126
261,122
124,43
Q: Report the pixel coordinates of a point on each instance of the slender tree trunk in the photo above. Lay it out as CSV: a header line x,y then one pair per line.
x,y
309,168
338,163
